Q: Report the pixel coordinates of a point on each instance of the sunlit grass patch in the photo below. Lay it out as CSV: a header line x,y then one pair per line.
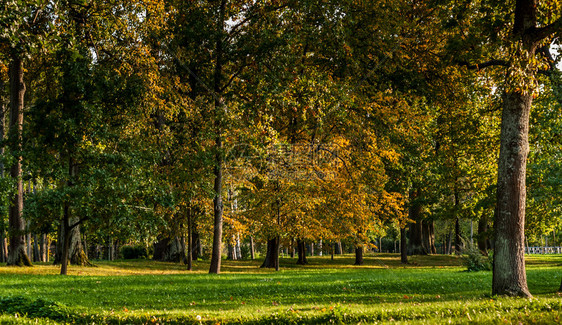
x,y
432,288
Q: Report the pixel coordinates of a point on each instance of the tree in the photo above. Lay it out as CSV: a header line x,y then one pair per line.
x,y
509,225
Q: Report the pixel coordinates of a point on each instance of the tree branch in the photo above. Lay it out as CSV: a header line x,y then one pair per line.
x,y
544,32
483,65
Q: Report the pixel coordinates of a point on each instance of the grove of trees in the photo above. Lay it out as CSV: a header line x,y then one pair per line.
x,y
203,128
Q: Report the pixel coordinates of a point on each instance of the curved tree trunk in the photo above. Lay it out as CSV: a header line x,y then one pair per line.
x,y
16,249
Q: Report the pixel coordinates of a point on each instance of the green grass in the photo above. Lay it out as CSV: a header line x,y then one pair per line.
x,y
433,289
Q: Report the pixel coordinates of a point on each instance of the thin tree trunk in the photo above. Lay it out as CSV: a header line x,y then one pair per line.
x,y
403,246
36,251
195,241
458,241
3,241
482,237
16,249
66,240
252,253
44,248
3,247
189,240
215,266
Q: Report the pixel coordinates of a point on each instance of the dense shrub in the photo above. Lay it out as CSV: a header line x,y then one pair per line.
x,y
475,261
134,252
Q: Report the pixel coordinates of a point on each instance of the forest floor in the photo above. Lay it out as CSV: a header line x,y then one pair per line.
x,y
432,289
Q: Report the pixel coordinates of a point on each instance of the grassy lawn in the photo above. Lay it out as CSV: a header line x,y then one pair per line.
x,y
433,289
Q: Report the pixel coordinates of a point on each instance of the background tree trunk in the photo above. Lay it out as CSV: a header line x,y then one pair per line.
x,y
403,246
359,255
168,250
3,247
189,240
16,248
483,235
301,251
77,255
272,254
196,241
252,253
458,241
415,242
215,266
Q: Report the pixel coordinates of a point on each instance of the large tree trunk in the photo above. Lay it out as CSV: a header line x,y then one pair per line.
x,y
301,251
359,255
77,255
215,266
403,246
272,255
428,237
509,276
16,227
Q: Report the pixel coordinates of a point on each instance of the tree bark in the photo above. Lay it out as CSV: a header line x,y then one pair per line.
x,y
252,253
215,266
301,251
458,241
66,240
76,250
359,255
189,240
3,247
416,244
16,228
168,249
483,235
339,250
403,246
272,254
509,277
196,241
44,248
